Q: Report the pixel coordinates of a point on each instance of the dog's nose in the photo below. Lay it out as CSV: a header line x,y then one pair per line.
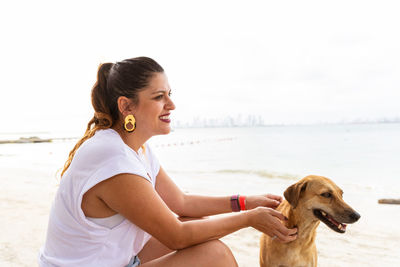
x,y
355,216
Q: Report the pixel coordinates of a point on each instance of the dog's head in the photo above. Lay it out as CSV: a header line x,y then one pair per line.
x,y
321,198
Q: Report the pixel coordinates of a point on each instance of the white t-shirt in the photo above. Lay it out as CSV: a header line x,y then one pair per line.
x,y
72,239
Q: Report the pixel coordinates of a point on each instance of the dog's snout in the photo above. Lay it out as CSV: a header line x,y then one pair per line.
x,y
355,216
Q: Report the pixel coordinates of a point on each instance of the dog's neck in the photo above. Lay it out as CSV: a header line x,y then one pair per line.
x,y
305,225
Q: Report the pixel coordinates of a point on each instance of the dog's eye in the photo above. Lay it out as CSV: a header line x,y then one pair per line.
x,y
326,194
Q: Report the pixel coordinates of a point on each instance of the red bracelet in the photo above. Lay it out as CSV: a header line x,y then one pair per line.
x,y
242,202
235,203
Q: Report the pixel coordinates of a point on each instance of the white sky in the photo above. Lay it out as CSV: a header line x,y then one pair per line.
x,y
289,61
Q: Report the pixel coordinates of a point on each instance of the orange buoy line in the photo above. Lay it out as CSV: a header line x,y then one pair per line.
x,y
194,142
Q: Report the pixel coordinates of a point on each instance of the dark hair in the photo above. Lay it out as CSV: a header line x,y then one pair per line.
x,y
124,78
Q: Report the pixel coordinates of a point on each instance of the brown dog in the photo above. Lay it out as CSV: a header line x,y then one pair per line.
x,y
309,201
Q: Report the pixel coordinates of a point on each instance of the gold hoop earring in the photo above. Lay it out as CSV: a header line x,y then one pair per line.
x,y
130,123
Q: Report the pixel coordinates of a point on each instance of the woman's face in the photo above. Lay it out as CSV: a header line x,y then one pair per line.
x,y
154,107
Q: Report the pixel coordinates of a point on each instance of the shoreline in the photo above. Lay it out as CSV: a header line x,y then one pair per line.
x,y
28,193
36,139
25,140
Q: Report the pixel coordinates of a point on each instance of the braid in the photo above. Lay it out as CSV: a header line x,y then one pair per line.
x,y
100,121
88,133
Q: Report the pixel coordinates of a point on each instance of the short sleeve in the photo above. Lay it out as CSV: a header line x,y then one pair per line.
x,y
154,163
113,166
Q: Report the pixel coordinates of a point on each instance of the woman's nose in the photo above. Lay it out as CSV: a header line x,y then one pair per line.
x,y
170,105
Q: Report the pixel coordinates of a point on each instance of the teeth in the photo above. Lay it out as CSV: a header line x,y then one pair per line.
x,y
164,117
340,226
323,213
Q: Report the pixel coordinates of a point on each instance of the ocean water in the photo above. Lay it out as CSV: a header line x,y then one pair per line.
x,y
366,155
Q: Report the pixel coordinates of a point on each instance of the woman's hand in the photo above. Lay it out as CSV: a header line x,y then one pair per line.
x,y
268,221
269,201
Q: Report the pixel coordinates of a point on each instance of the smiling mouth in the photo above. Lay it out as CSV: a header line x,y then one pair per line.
x,y
329,221
165,118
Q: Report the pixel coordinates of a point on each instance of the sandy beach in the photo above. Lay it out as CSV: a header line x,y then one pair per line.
x,y
26,199
28,184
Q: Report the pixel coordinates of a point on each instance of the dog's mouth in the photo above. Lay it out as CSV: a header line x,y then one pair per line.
x,y
329,221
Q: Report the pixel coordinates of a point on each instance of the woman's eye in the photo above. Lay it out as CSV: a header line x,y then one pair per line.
x,y
326,194
159,97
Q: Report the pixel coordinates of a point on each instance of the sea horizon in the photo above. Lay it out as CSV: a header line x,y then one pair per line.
x,y
23,133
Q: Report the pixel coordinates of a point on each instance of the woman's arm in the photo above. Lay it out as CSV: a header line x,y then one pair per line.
x,y
186,205
134,198
196,206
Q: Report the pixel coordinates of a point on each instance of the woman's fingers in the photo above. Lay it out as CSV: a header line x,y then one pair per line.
x,y
268,200
277,214
275,197
284,238
286,231
273,201
283,233
269,221
283,229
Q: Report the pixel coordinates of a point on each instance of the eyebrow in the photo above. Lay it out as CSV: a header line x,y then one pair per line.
x,y
160,91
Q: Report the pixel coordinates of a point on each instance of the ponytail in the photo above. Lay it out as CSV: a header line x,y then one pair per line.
x,y
102,118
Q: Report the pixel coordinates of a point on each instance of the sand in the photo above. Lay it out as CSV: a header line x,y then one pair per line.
x,y
28,187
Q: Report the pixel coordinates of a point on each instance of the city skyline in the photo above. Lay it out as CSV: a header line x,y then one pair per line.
x,y
252,120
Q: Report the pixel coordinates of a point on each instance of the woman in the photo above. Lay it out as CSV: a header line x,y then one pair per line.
x,y
116,206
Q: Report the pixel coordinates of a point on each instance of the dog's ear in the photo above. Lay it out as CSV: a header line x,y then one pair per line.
x,y
294,192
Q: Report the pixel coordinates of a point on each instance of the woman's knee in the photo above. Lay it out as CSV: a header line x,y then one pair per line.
x,y
212,253
220,252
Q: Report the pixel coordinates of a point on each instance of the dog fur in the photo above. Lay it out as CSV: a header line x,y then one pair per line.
x,y
303,205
